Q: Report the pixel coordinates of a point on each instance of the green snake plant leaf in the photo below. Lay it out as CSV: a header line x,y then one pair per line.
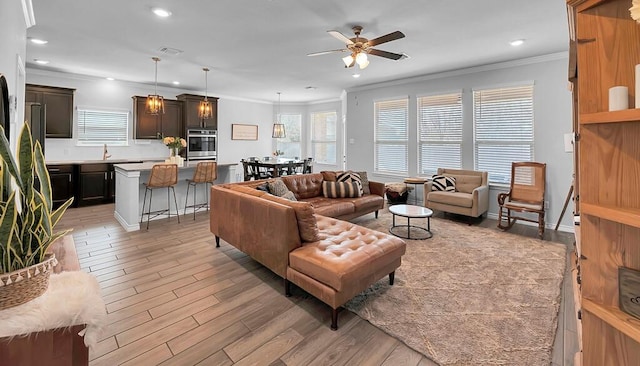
x,y
25,161
10,163
7,221
43,175
57,214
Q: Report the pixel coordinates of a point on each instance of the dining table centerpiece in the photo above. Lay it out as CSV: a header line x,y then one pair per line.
x,y
27,221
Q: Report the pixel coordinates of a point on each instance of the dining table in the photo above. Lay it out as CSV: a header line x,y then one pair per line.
x,y
276,166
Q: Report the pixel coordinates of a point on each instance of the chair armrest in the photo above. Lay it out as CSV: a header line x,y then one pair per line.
x,y
480,200
376,188
425,192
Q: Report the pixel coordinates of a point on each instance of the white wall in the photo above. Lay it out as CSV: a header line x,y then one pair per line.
x,y
552,113
13,42
116,95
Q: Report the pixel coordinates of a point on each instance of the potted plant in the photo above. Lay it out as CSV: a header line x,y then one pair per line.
x,y
27,221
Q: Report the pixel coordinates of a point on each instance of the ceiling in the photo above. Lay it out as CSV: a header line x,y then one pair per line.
x,y
256,48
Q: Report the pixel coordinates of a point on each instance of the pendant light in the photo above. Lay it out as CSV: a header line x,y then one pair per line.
x,y
205,110
155,102
278,128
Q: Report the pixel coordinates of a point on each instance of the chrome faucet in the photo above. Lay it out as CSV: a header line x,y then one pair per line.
x,y
105,153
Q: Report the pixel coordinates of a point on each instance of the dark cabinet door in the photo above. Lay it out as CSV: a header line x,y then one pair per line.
x,y
146,126
212,123
111,186
172,119
94,184
191,104
62,183
57,104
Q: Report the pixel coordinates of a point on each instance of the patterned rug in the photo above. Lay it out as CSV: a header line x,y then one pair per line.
x,y
470,295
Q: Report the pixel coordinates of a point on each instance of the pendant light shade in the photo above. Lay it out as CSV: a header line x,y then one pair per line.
x,y
205,110
155,102
278,128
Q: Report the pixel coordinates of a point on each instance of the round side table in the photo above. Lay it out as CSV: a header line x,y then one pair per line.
x,y
415,181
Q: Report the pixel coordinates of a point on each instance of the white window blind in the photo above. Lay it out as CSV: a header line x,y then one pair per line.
x,y
323,137
391,136
291,143
439,132
503,129
102,127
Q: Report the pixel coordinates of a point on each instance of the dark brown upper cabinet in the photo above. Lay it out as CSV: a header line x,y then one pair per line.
x,y
57,107
191,103
148,126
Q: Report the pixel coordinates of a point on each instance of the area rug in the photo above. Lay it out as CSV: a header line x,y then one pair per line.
x,y
470,295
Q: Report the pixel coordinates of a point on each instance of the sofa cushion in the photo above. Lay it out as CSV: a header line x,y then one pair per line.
x,y
247,190
451,198
443,183
345,254
330,176
365,182
368,202
341,189
307,225
304,185
467,183
333,207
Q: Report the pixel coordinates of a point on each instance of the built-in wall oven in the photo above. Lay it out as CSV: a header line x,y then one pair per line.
x,y
202,144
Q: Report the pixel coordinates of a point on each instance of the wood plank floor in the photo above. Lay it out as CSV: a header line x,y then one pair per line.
x,y
174,299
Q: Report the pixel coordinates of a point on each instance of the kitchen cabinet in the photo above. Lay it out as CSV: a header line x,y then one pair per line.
x,y
62,183
151,127
57,106
97,184
191,104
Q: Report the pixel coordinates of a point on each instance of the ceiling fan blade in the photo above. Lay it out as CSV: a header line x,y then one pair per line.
x,y
385,54
340,36
326,52
386,38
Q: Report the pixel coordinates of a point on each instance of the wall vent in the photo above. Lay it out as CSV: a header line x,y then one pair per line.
x,y
169,51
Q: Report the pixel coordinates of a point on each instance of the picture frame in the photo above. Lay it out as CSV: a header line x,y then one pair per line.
x,y
244,132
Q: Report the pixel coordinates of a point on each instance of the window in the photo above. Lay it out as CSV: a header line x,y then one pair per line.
x,y
503,129
290,144
323,137
391,136
439,133
102,127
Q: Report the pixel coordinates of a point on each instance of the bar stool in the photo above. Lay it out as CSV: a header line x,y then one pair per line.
x,y
206,172
162,176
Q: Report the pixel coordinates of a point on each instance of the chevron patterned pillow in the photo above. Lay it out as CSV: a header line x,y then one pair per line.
x,y
350,176
443,183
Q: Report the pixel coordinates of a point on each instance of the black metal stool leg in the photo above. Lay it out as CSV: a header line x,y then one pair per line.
x,y
195,194
144,202
176,202
149,212
186,199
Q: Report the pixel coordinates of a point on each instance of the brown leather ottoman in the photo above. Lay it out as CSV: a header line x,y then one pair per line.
x,y
347,260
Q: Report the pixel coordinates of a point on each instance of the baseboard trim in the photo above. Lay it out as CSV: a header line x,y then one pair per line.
x,y
564,228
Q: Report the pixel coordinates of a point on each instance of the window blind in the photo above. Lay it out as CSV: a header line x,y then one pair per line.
x,y
102,127
439,132
391,136
323,137
291,143
503,129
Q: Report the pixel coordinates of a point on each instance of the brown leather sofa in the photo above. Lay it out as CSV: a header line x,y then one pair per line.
x,y
329,258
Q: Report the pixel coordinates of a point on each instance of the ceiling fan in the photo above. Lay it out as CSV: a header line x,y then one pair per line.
x,y
359,47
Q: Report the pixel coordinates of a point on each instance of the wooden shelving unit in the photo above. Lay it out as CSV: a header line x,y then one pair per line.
x,y
605,47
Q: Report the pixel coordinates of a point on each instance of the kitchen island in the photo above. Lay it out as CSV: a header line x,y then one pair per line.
x,y
130,190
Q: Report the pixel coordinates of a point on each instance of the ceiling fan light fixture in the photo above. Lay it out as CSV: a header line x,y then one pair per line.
x,y
205,109
155,102
361,58
347,60
363,64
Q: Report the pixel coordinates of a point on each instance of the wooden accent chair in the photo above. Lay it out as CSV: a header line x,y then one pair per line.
x,y
526,195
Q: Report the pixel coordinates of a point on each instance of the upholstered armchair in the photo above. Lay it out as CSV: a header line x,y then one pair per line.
x,y
469,196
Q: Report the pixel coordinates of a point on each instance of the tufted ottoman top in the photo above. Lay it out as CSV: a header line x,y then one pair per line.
x,y
345,253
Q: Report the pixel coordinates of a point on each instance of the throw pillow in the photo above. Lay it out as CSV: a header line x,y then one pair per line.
x,y
305,215
443,183
365,182
277,187
350,176
341,189
290,196
263,187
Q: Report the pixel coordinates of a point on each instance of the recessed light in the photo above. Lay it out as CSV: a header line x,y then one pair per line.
x,y
356,75
110,79
311,87
161,12
176,83
41,62
38,41
516,42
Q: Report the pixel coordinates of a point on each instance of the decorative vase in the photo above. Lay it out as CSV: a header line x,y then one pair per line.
x,y
24,285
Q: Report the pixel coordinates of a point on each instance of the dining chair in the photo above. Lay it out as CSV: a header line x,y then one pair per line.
x,y
308,166
206,173
162,176
261,172
247,167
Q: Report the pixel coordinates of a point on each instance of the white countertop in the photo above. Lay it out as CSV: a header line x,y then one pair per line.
x,y
97,161
146,166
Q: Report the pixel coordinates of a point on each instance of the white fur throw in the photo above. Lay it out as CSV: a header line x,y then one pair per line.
x,y
73,298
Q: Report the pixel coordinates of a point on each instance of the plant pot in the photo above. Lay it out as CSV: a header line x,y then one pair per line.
x,y
26,284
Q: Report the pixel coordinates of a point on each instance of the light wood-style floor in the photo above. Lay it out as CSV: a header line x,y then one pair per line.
x,y
174,299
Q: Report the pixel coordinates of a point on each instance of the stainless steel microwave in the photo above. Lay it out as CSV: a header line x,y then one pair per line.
x,y
202,144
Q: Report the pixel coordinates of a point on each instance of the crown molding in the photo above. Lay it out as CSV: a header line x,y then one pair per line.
x,y
27,10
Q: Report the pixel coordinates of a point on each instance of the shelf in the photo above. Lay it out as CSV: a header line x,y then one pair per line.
x,y
626,115
615,317
627,216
